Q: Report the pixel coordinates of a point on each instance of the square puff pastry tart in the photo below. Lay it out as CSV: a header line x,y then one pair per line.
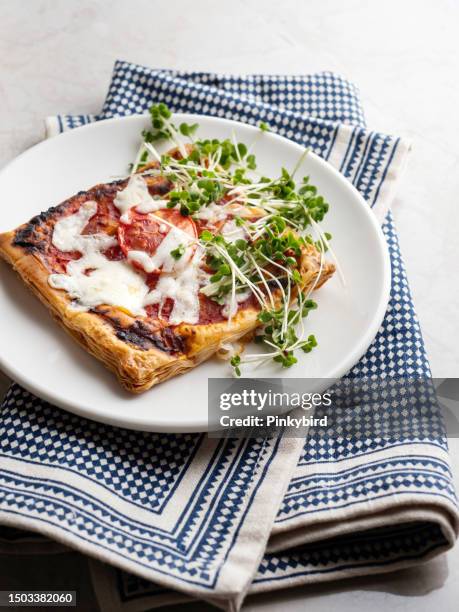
x,y
125,282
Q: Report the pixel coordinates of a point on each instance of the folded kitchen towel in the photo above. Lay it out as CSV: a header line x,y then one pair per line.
x,y
185,514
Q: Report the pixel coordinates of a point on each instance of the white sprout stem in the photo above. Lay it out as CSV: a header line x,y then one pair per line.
x,y
254,141
137,159
236,148
278,283
263,220
216,161
301,322
252,188
278,265
286,308
299,313
263,356
316,280
324,240
175,137
263,280
299,162
214,288
151,149
233,302
258,294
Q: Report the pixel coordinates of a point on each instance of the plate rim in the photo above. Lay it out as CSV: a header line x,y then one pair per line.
x,y
195,426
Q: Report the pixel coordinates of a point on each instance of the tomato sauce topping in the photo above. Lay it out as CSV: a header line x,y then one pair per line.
x,y
145,232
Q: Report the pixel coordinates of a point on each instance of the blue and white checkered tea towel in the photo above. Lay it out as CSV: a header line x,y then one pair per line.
x,y
194,515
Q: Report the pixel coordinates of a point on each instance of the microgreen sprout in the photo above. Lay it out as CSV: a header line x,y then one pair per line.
x,y
178,252
275,219
235,362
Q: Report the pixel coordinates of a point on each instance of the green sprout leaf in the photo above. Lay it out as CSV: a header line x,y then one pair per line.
x,y
178,252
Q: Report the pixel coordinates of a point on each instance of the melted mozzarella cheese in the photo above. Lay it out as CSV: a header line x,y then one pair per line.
x,y
183,288
136,194
153,206
67,231
108,282
93,279
232,232
212,213
162,258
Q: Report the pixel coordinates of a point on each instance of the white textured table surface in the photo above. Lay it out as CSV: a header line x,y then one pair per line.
x,y
56,56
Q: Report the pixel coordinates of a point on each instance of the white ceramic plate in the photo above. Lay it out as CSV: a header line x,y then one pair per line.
x,y
35,352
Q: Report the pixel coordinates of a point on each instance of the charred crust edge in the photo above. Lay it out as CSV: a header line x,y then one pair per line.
x,y
144,337
27,237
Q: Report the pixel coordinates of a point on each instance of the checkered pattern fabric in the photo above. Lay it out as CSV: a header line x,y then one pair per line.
x,y
192,514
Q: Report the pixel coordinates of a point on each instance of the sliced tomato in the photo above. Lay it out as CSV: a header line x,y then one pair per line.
x,y
105,221
153,310
146,232
114,253
60,259
209,311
